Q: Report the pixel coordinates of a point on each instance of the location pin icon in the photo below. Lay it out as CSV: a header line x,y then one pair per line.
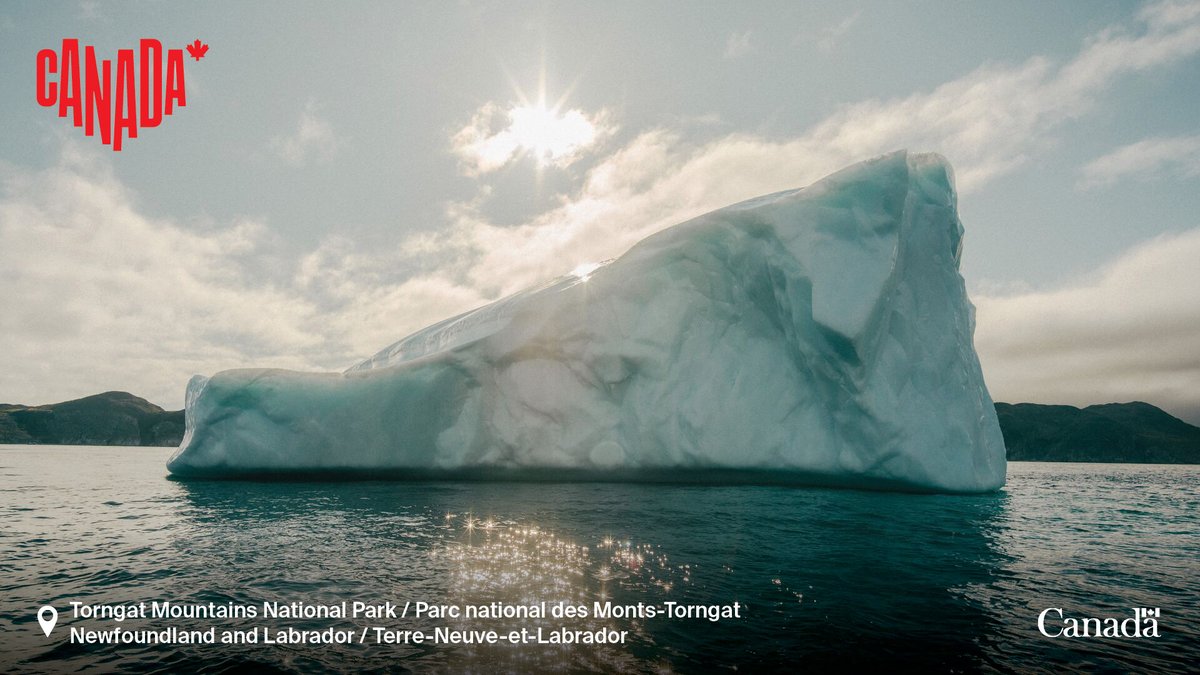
x,y
47,616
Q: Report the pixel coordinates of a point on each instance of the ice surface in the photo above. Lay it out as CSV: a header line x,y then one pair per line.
x,y
818,335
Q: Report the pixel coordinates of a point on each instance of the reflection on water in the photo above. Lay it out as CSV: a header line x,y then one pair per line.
x,y
826,577
525,565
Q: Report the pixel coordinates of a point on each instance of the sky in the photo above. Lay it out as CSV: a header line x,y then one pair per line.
x,y
345,174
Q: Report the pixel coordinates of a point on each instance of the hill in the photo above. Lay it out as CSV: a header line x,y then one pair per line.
x,y
1111,432
111,418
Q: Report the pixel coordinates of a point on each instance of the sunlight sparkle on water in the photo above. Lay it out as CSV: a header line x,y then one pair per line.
x,y
496,560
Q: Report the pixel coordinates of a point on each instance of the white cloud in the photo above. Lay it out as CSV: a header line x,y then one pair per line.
x,y
99,296
831,35
1132,332
89,10
1143,160
313,138
1169,13
738,45
496,136
988,122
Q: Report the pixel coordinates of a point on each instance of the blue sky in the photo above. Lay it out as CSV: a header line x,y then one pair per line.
x,y
343,175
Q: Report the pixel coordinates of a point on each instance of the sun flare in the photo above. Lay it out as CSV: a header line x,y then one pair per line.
x,y
549,135
584,271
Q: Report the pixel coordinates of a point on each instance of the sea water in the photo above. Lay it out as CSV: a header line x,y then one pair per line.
x,y
820,578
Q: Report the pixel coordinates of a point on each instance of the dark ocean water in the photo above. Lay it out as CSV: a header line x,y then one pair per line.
x,y
826,578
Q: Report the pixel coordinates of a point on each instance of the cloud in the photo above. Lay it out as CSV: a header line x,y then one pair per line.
x,y
1132,332
831,35
1169,13
100,296
89,10
988,122
312,139
738,45
1144,160
496,136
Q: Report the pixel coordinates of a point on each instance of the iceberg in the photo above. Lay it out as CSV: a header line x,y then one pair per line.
x,y
821,335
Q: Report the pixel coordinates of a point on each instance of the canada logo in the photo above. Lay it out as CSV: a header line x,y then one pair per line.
x,y
118,104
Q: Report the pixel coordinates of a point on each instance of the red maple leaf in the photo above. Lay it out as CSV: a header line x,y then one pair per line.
x,y
197,50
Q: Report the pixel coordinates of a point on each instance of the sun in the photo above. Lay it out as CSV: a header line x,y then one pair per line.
x,y
549,135
527,127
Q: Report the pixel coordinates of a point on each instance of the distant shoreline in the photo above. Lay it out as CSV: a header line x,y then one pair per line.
x,y
112,418
1111,433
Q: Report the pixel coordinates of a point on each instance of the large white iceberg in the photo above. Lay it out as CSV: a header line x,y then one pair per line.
x,y
820,335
